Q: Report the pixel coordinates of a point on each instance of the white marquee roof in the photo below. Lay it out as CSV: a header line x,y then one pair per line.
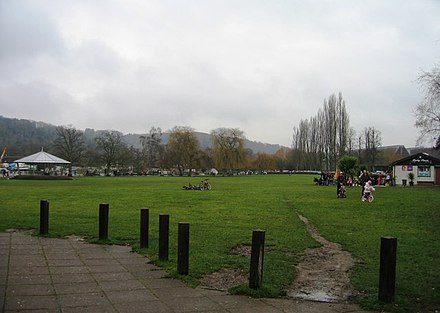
x,y
42,158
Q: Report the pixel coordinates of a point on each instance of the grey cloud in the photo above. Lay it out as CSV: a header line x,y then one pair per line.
x,y
37,100
130,65
95,58
27,31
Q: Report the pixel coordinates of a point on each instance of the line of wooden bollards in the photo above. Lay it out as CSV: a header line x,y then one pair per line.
x,y
388,248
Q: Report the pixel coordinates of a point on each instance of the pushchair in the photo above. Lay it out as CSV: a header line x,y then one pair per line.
x,y
342,193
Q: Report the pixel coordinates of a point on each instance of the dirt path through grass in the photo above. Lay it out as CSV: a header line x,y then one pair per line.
x,y
323,273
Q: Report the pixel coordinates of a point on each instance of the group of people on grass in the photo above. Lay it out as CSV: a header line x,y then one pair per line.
x,y
204,185
364,182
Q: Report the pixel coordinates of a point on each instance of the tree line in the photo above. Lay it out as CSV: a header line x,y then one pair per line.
x,y
318,143
181,154
179,149
321,140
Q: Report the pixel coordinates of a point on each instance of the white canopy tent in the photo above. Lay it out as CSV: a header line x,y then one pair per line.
x,y
47,160
42,158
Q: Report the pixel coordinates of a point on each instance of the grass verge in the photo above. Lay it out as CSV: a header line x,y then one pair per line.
x,y
224,218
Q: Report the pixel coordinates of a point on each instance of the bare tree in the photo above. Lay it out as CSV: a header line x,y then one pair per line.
x,y
228,148
321,140
360,144
330,131
152,147
205,159
281,159
427,112
183,148
302,144
343,127
111,147
351,141
136,160
372,141
69,144
264,161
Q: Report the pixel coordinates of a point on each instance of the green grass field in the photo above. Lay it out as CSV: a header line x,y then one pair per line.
x,y
224,217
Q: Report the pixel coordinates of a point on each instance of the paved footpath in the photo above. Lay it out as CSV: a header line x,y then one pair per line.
x,y
64,275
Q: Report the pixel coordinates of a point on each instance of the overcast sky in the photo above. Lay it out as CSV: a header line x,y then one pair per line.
x,y
260,66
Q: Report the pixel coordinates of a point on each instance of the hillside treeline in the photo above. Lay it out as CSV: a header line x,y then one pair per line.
x,y
179,149
23,137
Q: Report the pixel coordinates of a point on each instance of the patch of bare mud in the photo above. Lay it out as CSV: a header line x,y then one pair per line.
x,y
224,279
244,250
323,274
227,278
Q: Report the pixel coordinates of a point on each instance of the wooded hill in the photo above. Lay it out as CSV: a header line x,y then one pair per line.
x,y
24,137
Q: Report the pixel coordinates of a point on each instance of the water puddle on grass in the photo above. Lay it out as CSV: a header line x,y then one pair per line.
x,y
323,274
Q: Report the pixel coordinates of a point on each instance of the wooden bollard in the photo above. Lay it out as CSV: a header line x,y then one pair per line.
x,y
183,249
44,217
387,273
164,235
103,221
257,258
145,227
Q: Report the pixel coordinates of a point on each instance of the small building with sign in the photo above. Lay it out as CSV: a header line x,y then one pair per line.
x,y
424,168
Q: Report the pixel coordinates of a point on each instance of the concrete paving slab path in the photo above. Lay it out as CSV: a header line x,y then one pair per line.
x,y
39,274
